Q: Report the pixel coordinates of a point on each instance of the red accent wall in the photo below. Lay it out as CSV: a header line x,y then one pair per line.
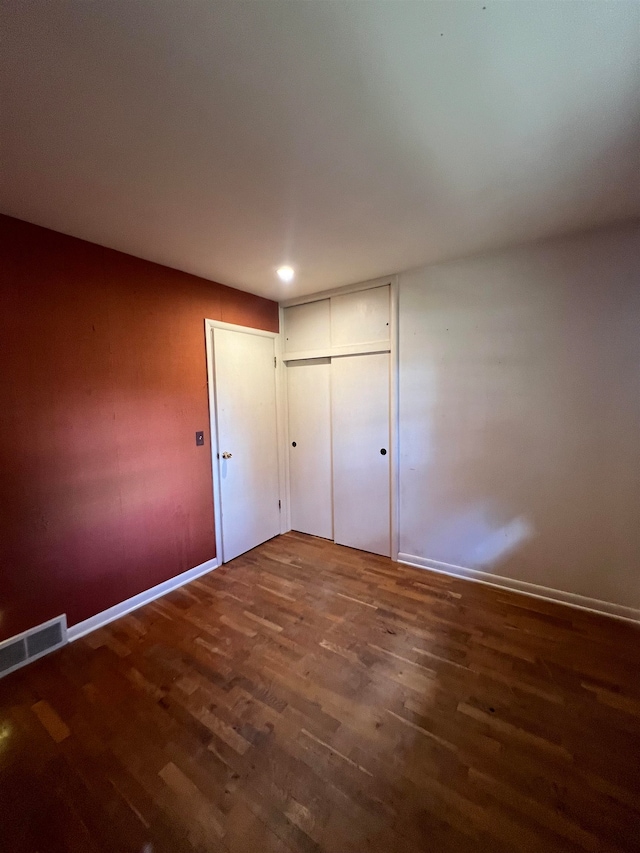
x,y
103,384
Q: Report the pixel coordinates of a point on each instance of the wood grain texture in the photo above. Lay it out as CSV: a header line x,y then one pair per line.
x,y
308,697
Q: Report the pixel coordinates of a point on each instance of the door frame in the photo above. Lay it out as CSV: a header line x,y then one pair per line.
x,y
209,328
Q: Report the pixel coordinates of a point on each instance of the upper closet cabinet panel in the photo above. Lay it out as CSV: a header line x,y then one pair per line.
x,y
360,318
307,327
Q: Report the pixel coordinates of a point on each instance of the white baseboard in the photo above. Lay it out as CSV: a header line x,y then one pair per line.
x,y
118,610
535,590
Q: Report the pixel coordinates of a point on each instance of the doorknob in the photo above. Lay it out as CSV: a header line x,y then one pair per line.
x,y
227,455
383,452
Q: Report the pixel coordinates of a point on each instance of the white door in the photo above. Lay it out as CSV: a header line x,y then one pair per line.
x,y
361,471
309,399
245,395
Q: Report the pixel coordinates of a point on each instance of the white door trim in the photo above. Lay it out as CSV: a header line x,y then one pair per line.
x,y
283,430
394,423
337,352
209,326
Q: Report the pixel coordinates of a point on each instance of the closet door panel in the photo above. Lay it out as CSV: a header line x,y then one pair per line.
x,y
360,435
307,327
309,397
361,318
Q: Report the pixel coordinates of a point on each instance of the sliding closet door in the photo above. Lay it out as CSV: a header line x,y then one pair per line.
x,y
309,398
361,471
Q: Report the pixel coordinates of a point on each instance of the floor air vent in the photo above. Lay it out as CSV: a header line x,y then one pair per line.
x,y
21,650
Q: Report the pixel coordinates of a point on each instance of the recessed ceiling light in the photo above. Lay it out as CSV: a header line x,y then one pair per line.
x,y
285,274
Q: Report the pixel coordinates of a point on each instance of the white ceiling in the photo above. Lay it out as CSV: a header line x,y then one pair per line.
x,y
349,139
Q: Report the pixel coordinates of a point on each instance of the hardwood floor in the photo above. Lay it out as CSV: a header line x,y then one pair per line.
x,y
307,697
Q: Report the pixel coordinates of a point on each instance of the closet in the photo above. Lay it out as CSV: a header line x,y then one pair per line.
x,y
337,357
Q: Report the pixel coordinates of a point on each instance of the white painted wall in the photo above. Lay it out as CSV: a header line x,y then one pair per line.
x,y
520,414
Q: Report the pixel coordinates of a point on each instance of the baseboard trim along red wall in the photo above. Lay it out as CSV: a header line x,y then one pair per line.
x,y
112,613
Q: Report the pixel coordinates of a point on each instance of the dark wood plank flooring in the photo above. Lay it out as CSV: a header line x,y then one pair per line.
x,y
308,697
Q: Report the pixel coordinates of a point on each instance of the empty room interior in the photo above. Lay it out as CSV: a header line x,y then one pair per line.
x,y
320,426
